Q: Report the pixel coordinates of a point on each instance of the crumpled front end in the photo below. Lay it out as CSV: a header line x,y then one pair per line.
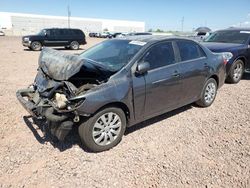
x,y
57,100
52,105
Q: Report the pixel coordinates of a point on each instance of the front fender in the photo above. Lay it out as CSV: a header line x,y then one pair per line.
x,y
111,92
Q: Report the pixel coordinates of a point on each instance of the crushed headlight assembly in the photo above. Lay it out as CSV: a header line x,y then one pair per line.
x,y
75,102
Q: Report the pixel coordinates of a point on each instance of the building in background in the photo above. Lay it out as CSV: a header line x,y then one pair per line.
x,y
23,24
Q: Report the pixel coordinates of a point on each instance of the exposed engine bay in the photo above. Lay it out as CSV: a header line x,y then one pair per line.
x,y
58,89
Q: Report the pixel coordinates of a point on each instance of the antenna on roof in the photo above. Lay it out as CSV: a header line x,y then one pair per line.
x,y
69,14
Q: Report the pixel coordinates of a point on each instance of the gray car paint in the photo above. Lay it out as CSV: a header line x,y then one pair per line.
x,y
146,95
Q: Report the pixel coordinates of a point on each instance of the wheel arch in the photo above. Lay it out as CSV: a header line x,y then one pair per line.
x,y
120,105
242,58
214,76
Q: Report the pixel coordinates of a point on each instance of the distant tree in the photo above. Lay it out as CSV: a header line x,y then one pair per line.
x,y
106,29
159,31
150,30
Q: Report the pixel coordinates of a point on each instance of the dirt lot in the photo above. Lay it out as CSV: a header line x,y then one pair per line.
x,y
189,147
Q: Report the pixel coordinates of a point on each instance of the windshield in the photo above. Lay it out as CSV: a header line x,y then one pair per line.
x,y
239,37
42,32
113,54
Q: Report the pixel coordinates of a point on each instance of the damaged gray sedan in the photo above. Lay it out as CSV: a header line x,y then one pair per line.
x,y
119,83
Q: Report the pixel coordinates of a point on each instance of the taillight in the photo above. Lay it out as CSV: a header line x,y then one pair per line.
x,y
225,61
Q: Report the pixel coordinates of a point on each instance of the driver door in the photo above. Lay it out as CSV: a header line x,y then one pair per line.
x,y
162,82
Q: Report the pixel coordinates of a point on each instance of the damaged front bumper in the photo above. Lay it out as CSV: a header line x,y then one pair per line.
x,y
60,123
27,104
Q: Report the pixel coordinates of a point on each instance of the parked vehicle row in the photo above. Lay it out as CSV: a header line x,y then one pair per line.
x,y
116,34
119,83
69,38
2,33
133,34
104,35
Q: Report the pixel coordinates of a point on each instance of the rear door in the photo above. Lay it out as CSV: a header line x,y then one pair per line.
x,y
193,67
162,80
53,38
65,37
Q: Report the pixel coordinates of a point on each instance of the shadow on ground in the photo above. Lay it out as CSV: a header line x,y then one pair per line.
x,y
42,135
157,119
73,138
57,48
246,76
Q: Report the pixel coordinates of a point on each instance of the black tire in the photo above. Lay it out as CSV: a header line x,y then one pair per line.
x,y
235,76
74,45
87,129
67,47
203,101
36,46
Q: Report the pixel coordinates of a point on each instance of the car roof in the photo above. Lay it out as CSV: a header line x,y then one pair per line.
x,y
236,29
62,28
153,38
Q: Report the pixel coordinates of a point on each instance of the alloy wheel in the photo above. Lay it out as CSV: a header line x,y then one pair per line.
x,y
36,46
237,72
210,92
74,45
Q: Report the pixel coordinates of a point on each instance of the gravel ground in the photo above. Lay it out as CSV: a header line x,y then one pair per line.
x,y
189,147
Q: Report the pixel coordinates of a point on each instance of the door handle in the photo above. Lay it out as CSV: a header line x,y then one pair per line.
x,y
176,74
206,65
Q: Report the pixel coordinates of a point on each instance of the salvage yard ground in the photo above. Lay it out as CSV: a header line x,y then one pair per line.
x,y
189,147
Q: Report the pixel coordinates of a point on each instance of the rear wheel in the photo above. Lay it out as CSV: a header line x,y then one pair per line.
x,y
208,94
236,72
36,46
74,45
104,130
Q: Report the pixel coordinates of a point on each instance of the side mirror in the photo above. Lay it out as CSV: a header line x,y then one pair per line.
x,y
142,67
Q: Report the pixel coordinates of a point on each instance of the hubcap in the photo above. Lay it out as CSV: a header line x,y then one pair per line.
x,y
106,129
36,45
210,92
237,71
74,45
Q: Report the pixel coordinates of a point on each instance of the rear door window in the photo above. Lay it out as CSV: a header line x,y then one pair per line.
x,y
160,55
189,50
54,32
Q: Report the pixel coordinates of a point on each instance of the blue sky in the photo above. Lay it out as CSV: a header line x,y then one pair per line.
x,y
163,14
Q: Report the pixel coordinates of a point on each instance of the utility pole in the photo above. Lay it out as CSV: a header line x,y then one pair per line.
x,y
182,24
69,14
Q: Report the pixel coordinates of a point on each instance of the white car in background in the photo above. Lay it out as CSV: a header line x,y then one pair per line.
x,y
2,33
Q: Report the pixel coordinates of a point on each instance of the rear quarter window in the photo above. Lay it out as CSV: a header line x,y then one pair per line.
x,y
77,32
189,50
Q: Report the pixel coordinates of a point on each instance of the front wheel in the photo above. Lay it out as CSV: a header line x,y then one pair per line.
x,y
208,94
104,130
36,46
236,72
